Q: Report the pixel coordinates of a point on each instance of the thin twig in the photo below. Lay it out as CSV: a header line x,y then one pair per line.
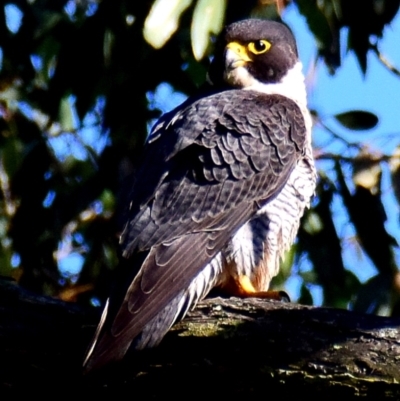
x,y
318,121
385,61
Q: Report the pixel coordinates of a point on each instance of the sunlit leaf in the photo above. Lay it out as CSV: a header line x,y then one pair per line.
x,y
208,18
67,115
163,20
367,171
357,120
108,200
312,223
9,95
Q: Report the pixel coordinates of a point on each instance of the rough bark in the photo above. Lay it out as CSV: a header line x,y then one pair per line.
x,y
225,346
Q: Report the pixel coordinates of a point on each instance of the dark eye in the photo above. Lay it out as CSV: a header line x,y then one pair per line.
x,y
259,46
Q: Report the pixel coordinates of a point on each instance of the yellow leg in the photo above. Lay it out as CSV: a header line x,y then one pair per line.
x,y
243,287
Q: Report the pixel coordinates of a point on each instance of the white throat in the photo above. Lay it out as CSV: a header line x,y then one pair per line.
x,y
291,86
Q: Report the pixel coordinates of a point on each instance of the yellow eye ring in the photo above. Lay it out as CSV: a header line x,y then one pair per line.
x,y
259,46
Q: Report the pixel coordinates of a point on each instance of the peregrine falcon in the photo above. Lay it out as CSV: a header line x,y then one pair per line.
x,y
218,197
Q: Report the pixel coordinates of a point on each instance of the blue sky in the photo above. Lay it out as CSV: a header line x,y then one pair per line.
x,y
348,89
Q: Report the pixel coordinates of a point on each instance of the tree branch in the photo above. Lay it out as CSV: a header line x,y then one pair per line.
x,y
227,346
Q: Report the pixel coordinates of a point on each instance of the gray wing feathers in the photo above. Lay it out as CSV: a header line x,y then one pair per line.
x,y
201,179
218,153
157,285
200,286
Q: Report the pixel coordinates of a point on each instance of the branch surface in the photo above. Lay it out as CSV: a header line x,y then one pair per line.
x,y
225,346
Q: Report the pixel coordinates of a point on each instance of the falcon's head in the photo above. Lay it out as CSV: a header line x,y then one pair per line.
x,y
256,54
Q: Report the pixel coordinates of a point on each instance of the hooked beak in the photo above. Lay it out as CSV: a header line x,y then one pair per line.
x,y
236,55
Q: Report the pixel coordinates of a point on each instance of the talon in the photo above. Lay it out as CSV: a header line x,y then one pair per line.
x,y
284,297
242,287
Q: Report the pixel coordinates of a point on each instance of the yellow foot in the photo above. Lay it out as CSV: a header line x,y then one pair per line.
x,y
244,288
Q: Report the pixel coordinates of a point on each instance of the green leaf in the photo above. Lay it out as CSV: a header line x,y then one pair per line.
x,y
163,20
12,155
317,22
357,120
208,18
195,71
49,20
312,223
67,114
309,276
108,200
285,269
305,296
48,50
